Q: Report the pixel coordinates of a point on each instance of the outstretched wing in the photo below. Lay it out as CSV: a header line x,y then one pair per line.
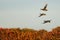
x,y
45,6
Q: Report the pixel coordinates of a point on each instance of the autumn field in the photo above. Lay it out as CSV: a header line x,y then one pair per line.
x,y
29,34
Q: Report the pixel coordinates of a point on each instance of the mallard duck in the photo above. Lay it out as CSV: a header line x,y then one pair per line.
x,y
46,21
42,14
44,9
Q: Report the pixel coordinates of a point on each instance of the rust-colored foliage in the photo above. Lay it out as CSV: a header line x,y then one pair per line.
x,y
29,34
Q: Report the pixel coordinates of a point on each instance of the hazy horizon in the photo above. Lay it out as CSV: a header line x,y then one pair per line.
x,y
24,14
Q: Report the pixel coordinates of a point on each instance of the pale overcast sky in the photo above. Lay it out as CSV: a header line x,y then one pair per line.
x,y
24,14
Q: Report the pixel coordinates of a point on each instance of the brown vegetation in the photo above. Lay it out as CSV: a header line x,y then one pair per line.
x,y
29,34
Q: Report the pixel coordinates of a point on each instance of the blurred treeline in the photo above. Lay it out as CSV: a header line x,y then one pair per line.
x,y
29,34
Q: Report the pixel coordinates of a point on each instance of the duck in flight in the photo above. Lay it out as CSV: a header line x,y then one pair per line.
x,y
46,21
42,14
44,9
